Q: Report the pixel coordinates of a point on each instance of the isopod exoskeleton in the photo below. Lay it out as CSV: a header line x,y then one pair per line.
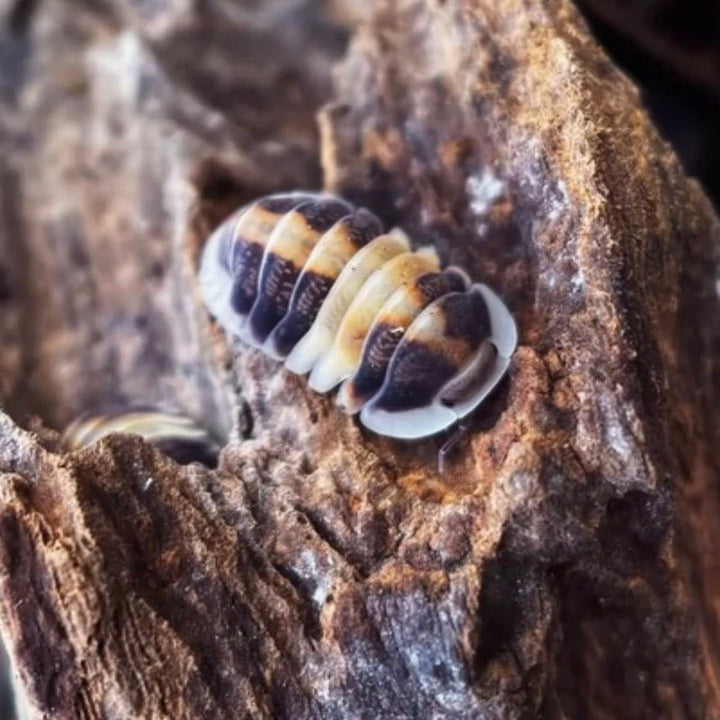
x,y
175,435
315,282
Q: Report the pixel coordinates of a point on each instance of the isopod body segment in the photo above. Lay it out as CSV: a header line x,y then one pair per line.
x,y
317,283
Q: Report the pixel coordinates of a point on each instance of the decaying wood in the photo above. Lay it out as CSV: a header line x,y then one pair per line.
x,y
564,566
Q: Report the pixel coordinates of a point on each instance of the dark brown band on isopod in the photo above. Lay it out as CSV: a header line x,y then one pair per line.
x,y
312,287
418,372
436,284
278,275
276,286
466,317
380,346
245,255
385,337
362,226
245,276
321,213
420,367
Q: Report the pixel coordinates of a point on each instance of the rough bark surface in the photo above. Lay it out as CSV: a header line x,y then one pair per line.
x,y
565,564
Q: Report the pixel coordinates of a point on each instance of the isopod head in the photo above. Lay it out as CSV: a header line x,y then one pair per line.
x,y
388,329
448,361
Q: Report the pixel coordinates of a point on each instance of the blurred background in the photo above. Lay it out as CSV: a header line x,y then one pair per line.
x,y
671,48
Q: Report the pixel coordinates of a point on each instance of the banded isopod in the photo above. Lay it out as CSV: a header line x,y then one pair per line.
x,y
313,281
177,436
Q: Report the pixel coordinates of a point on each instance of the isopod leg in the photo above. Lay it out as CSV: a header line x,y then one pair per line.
x,y
458,434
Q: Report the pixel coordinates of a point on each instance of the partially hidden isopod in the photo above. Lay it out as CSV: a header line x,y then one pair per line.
x,y
315,282
177,436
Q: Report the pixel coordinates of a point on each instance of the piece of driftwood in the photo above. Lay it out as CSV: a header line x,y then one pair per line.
x,y
564,566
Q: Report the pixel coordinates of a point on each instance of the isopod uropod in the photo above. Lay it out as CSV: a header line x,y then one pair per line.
x,y
315,282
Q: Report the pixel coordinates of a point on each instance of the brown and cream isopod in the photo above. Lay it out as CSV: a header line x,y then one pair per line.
x,y
177,436
313,281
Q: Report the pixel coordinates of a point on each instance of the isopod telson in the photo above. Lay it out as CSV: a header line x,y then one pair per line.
x,y
315,282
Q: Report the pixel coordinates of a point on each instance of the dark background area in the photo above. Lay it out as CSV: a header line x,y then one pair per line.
x,y
671,48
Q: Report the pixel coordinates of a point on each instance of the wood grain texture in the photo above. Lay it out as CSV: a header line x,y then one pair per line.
x,y
563,567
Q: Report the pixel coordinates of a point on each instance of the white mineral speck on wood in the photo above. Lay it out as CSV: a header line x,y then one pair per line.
x,y
308,568
615,429
483,191
618,441
577,281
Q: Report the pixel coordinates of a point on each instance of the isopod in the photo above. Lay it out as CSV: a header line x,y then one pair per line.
x,y
177,436
317,283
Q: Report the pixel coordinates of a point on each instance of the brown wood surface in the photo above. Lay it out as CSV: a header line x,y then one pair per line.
x,y
565,566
